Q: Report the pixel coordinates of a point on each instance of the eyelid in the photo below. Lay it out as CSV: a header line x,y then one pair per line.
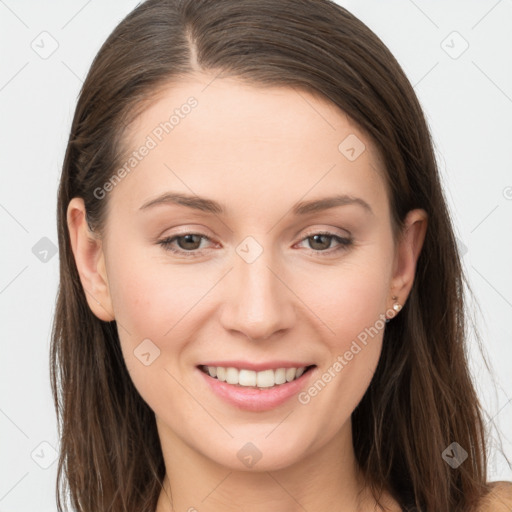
x,y
327,231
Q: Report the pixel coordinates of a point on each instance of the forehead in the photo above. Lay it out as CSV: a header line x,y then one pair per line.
x,y
237,142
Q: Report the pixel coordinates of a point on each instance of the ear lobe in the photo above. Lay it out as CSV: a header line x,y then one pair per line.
x,y
407,254
90,261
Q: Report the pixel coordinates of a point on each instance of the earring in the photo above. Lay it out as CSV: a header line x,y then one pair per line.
x,y
396,307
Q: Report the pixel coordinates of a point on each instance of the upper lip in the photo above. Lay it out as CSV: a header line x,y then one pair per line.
x,y
257,367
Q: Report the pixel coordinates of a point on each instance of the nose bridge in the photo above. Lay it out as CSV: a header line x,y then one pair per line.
x,y
259,304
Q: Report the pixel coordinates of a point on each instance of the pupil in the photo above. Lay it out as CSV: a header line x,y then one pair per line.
x,y
189,241
315,237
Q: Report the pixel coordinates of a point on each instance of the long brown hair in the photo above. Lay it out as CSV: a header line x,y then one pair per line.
x,y
421,398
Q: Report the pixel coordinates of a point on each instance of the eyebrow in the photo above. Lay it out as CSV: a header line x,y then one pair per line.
x,y
210,206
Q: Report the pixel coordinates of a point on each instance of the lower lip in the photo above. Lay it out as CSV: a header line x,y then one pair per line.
x,y
256,400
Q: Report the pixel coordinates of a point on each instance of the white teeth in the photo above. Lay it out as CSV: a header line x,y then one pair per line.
x,y
246,378
280,376
221,373
263,379
231,375
290,374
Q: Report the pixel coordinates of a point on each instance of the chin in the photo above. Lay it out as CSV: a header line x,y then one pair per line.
x,y
262,452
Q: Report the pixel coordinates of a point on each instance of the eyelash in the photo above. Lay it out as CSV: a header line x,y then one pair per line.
x,y
344,244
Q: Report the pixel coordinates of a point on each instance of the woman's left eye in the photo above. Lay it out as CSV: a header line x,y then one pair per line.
x,y
188,243
343,243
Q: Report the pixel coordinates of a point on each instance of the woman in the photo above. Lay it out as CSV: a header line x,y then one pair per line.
x,y
261,300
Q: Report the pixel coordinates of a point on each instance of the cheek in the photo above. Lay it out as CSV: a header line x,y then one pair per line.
x,y
152,305
150,297
357,318
348,300
351,304
163,303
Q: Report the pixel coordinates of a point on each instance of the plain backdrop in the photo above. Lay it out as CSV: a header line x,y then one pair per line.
x,y
457,55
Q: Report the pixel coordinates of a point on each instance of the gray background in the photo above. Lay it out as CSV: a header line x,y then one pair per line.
x,y
456,54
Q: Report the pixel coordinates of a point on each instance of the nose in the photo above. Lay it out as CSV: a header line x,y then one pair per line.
x,y
258,301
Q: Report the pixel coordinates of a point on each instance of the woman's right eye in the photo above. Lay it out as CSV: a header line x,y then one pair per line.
x,y
187,251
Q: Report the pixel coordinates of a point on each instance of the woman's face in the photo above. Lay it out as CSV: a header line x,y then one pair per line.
x,y
253,283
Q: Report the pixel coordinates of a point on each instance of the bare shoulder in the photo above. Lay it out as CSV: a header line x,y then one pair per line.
x,y
499,498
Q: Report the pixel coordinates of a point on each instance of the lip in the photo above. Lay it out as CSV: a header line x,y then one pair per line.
x,y
256,400
256,367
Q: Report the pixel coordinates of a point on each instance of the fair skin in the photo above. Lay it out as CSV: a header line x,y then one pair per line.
x,y
258,152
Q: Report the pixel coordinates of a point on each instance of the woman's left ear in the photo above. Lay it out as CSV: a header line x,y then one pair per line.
x,y
407,254
90,261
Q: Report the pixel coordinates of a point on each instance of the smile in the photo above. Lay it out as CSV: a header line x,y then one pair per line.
x,y
249,378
